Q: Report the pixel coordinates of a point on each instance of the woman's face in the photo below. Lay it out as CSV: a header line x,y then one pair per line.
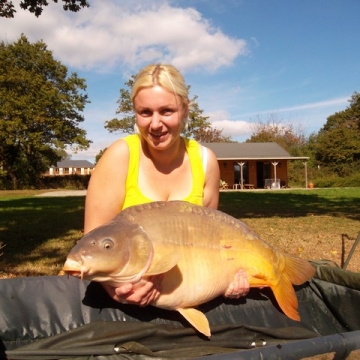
x,y
159,115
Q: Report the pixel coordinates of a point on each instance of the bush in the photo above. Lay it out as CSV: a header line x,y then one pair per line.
x,y
4,181
337,181
70,182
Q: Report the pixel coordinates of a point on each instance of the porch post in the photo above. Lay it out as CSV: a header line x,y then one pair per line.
x,y
241,175
274,164
306,175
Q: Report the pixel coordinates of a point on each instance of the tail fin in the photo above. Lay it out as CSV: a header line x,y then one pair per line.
x,y
296,272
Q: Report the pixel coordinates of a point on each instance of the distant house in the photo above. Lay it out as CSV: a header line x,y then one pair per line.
x,y
254,165
71,167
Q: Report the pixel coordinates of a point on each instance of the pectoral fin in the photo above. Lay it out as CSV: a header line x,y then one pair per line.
x,y
163,264
197,319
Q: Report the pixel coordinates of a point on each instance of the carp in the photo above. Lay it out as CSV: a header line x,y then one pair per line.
x,y
199,251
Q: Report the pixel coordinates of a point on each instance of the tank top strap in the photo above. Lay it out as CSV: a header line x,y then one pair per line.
x,y
197,170
133,195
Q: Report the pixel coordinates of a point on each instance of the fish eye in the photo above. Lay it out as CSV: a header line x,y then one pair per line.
x,y
108,244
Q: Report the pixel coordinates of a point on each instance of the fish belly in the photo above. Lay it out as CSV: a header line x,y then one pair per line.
x,y
191,282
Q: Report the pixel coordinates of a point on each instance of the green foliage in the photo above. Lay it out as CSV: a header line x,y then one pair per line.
x,y
334,151
99,155
351,181
40,107
337,145
273,130
4,183
69,182
7,9
325,178
210,135
127,121
290,138
199,126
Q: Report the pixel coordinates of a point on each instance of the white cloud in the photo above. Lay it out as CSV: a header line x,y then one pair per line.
x,y
327,104
217,115
311,116
233,128
112,34
316,105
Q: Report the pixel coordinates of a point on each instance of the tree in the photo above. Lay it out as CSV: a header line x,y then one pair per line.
x,y
199,127
7,9
40,107
287,136
127,122
290,138
99,155
210,135
337,144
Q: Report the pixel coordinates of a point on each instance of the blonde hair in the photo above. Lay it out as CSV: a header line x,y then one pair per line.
x,y
166,76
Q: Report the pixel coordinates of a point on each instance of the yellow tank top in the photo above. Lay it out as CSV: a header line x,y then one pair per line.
x,y
133,195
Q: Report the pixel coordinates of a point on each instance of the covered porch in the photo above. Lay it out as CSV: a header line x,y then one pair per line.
x,y
254,165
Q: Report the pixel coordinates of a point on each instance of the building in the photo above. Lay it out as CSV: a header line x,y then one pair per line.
x,y
71,167
254,165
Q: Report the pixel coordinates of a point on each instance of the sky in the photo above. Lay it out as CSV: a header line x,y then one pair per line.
x,y
248,61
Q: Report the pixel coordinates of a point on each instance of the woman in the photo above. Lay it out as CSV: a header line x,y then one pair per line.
x,y
154,164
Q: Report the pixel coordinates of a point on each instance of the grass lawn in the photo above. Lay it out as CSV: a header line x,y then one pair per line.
x,y
38,232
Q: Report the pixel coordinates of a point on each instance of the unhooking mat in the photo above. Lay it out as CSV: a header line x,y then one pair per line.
x,y
65,318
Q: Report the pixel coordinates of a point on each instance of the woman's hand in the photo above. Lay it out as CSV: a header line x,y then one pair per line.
x,y
239,287
141,296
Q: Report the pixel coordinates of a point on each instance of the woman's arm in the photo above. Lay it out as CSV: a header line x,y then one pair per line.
x,y
104,199
106,190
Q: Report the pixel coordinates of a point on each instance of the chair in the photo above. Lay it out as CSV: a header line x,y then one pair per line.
x,y
223,185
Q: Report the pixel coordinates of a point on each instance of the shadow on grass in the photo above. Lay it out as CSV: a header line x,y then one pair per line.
x,y
30,226
259,204
26,224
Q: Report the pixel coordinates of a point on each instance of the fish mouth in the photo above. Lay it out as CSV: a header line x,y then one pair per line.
x,y
74,268
77,274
